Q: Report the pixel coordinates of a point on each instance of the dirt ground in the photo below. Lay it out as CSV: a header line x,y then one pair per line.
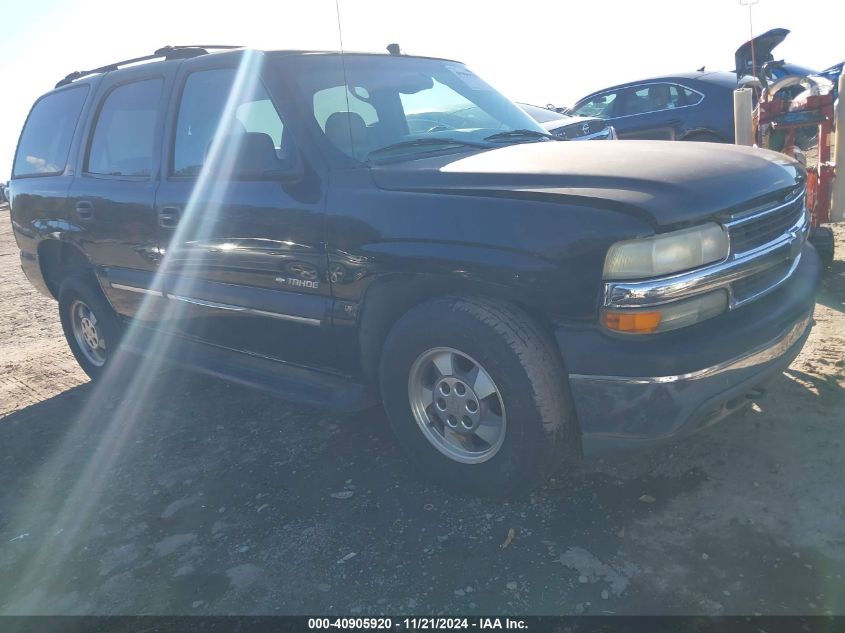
x,y
168,493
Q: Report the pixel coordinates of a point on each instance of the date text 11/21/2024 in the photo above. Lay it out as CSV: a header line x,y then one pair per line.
x,y
417,623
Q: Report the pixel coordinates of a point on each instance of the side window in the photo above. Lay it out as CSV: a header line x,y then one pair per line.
x,y
210,108
653,98
691,96
600,106
124,135
45,140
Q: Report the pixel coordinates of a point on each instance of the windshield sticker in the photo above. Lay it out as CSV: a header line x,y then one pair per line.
x,y
468,77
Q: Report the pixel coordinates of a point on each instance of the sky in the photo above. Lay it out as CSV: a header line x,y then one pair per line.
x,y
534,51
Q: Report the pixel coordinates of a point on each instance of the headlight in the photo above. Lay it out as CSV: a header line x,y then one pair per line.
x,y
669,316
667,253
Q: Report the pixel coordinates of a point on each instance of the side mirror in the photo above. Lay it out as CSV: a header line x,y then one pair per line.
x,y
252,156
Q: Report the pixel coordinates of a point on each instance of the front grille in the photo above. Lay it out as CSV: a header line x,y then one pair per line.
x,y
753,285
577,130
764,227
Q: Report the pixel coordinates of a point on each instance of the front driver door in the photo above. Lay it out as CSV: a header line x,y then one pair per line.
x,y
245,266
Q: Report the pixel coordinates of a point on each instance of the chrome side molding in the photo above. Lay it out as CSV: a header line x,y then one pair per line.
x,y
145,291
218,306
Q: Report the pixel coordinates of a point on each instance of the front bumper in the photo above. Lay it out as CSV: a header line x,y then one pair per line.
x,y
632,393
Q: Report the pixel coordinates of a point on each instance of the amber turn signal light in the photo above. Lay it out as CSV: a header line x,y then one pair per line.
x,y
632,322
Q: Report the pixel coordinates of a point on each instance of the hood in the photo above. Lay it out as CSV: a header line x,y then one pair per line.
x,y
763,46
670,182
568,119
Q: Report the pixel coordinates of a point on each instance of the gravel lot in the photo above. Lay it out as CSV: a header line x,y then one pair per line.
x,y
168,493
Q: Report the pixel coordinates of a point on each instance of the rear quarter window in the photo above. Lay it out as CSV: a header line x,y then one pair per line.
x,y
692,97
45,141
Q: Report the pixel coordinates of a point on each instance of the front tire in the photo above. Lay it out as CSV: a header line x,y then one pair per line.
x,y
90,325
825,244
477,396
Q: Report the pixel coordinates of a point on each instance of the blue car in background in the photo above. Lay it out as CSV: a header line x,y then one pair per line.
x,y
695,106
755,59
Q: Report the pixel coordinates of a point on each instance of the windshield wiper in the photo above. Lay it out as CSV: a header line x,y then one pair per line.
x,y
420,142
509,134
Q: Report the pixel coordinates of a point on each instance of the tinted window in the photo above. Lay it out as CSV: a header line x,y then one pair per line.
x,y
600,106
691,96
46,137
382,105
440,108
340,99
124,136
209,107
652,98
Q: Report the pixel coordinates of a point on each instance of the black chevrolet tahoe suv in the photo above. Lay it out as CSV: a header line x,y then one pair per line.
x,y
353,229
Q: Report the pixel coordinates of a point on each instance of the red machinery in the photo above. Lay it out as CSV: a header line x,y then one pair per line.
x,y
795,116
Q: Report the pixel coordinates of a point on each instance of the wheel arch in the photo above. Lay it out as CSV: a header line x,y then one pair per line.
x,y
390,298
59,259
704,133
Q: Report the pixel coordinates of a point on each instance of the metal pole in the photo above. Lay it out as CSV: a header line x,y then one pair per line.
x,y
749,4
743,128
837,205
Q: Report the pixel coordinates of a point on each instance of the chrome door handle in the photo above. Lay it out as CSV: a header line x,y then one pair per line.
x,y
85,210
168,217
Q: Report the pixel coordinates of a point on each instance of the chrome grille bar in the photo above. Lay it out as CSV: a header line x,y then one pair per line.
x,y
738,266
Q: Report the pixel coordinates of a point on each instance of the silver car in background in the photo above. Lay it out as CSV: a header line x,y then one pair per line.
x,y
570,128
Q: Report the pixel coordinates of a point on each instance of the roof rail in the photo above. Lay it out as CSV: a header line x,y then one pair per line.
x,y
166,52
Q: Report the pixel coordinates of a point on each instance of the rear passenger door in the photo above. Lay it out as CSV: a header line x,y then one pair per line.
x,y
650,111
112,197
246,260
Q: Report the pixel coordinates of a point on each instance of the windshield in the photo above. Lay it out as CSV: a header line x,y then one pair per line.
x,y
401,107
599,106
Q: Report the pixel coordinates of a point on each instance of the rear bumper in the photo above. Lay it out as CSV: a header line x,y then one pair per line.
x,y
632,394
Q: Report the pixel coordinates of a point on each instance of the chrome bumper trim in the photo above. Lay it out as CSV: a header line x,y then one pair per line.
x,y
758,356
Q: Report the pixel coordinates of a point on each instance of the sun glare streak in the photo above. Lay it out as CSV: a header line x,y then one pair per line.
x,y
134,378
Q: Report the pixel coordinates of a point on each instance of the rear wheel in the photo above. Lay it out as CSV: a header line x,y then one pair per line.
x,y
91,328
477,397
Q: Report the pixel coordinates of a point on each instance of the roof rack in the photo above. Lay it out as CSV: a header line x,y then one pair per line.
x,y
166,52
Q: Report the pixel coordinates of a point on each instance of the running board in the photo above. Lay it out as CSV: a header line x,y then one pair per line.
x,y
311,387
